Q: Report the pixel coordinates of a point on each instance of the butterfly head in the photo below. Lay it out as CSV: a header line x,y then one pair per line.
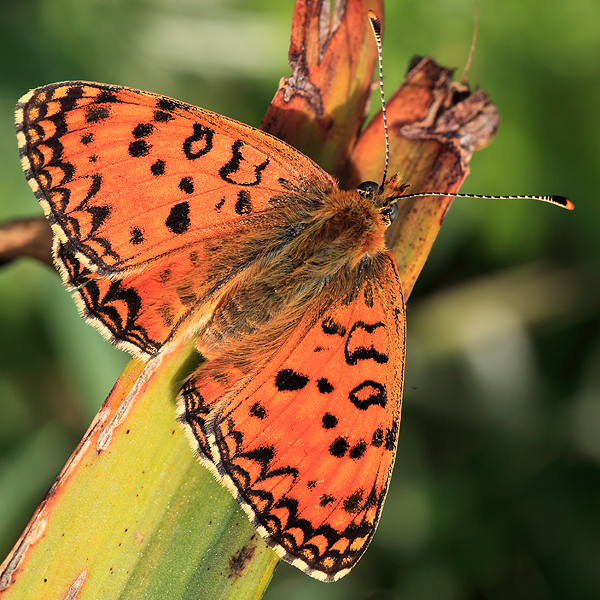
x,y
384,196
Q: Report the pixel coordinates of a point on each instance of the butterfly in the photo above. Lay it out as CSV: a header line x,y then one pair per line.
x,y
172,222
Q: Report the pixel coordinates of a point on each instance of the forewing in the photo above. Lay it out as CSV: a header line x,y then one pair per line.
x,y
307,443
126,177
139,190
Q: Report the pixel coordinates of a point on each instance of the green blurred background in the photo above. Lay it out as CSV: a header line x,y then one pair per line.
x,y
496,490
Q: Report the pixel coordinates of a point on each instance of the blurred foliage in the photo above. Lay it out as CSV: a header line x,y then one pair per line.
x,y
497,482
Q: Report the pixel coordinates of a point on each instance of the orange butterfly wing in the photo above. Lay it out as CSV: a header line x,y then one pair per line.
x,y
307,451
128,179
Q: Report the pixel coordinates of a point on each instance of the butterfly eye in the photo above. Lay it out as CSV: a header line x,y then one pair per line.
x,y
368,188
390,213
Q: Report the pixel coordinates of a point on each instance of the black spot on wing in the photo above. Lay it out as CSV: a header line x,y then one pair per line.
x,y
338,447
187,185
324,386
329,421
158,168
287,380
139,148
178,220
353,502
136,237
358,450
142,130
258,411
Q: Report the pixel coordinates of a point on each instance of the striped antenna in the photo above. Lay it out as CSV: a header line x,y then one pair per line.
x,y
557,200
376,26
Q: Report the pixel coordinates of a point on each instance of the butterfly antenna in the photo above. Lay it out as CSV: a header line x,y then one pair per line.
x,y
376,26
556,200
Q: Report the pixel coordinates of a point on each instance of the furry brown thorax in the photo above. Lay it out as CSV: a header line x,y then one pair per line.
x,y
336,237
